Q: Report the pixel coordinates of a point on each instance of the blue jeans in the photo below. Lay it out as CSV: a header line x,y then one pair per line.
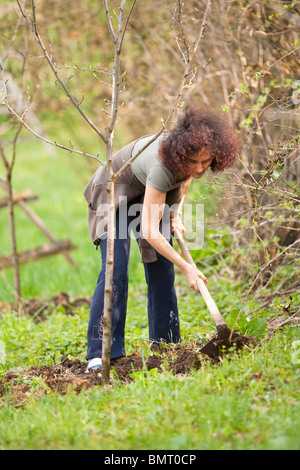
x,y
162,301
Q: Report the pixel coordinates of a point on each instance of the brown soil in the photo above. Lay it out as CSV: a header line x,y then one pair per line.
x,y
226,341
70,374
16,386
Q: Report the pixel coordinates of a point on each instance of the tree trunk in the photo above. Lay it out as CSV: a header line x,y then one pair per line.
x,y
12,227
107,314
7,185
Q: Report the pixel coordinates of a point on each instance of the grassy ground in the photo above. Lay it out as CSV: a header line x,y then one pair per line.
x,y
249,402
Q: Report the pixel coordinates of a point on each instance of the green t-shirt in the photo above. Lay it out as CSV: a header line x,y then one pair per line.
x,y
149,169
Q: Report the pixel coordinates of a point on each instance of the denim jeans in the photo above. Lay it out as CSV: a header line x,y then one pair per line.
x,y
163,317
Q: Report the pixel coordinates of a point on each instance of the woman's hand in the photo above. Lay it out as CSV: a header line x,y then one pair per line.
x,y
193,274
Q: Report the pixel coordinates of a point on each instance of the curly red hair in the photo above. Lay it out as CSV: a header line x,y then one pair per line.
x,y
199,128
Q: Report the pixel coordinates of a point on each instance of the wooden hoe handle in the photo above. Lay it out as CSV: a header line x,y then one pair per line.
x,y
210,303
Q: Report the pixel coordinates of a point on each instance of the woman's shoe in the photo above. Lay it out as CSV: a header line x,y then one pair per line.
x,y
95,364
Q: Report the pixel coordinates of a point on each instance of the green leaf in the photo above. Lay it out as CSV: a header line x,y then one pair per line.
x,y
238,319
257,328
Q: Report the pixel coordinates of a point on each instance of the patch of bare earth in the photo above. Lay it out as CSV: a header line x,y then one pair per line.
x,y
16,386
71,374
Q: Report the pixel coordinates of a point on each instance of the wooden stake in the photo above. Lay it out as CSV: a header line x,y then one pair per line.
x,y
44,251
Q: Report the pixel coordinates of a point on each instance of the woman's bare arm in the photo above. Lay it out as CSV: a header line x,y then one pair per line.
x,y
153,207
184,188
176,223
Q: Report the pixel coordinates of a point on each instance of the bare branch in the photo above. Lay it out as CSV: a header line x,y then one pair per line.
x,y
13,35
179,94
34,30
44,139
126,24
203,23
116,75
283,57
108,21
120,21
264,267
4,159
185,55
99,70
15,145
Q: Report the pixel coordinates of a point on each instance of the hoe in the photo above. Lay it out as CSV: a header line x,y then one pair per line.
x,y
225,337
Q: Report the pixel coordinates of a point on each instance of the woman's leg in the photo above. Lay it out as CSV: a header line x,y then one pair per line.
x,y
162,301
120,294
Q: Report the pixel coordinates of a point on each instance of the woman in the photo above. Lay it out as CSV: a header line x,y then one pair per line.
x,y
158,178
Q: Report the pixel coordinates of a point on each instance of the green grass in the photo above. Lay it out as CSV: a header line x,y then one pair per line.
x,y
249,402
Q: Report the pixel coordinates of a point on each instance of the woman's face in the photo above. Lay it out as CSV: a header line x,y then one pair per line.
x,y
198,163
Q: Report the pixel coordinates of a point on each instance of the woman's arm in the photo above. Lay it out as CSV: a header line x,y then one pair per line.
x,y
184,188
176,222
153,207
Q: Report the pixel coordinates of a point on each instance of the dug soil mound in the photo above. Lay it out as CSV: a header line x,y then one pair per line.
x,y
224,343
71,374
19,386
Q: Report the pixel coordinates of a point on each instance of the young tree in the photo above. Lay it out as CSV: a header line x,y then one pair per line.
x,y
6,184
117,28
9,163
